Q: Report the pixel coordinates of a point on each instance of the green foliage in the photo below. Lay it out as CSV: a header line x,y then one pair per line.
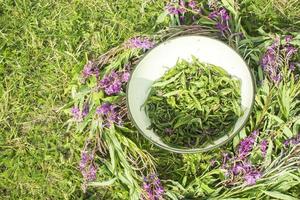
x,y
273,15
193,104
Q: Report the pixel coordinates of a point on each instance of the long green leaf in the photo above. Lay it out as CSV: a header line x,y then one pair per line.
x,y
279,195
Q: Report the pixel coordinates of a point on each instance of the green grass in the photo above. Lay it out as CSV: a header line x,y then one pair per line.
x,y
43,44
272,15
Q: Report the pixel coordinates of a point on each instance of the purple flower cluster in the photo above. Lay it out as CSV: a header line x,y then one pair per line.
x,y
140,43
90,69
181,7
110,114
289,49
241,170
263,147
292,141
222,17
78,114
292,66
174,9
112,83
238,168
246,170
246,145
271,61
152,188
87,166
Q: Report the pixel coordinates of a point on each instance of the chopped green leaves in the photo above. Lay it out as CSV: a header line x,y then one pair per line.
x,y
193,103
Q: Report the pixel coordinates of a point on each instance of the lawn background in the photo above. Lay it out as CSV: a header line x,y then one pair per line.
x,y
42,44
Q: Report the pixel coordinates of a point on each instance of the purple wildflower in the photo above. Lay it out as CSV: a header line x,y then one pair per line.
x,y
270,62
140,43
192,4
246,145
76,113
263,147
87,166
85,158
288,38
89,70
292,66
152,188
182,8
224,14
176,8
292,141
112,83
104,109
125,77
172,10
239,168
221,26
90,174
276,78
221,16
290,51
213,15
241,171
252,176
286,143
110,114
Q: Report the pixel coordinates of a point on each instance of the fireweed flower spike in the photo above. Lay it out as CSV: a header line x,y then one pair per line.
x,y
292,66
192,4
289,49
182,8
252,176
246,145
78,114
239,168
75,111
87,167
109,114
271,60
125,77
221,16
112,83
175,7
263,147
140,43
171,9
90,69
292,141
288,38
152,188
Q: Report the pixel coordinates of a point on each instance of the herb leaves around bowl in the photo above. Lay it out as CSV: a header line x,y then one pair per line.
x,y
193,103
